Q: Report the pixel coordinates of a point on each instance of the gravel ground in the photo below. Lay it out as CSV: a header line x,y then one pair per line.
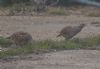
x,y
71,59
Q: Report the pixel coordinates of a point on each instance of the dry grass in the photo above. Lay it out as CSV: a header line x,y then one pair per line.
x,y
94,14
22,9
56,11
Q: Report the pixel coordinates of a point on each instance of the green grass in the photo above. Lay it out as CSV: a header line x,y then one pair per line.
x,y
5,42
47,45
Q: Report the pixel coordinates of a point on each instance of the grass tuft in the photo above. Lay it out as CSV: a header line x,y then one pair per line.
x,y
56,11
47,45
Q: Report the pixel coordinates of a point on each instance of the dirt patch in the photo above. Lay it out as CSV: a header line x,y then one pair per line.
x,y
45,27
77,59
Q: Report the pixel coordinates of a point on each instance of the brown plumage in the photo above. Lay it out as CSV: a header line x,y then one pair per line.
x,y
20,38
69,32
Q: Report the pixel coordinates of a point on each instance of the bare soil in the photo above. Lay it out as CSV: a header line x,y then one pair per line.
x,y
47,27
70,59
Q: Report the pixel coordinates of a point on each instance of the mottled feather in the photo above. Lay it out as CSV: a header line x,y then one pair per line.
x,y
69,31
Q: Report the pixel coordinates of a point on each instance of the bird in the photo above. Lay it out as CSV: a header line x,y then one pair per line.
x,y
20,38
68,32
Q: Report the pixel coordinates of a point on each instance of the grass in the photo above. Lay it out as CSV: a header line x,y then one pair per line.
x,y
56,11
47,45
94,14
17,9
22,9
5,42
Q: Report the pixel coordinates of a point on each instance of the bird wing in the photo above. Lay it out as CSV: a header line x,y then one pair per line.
x,y
66,30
